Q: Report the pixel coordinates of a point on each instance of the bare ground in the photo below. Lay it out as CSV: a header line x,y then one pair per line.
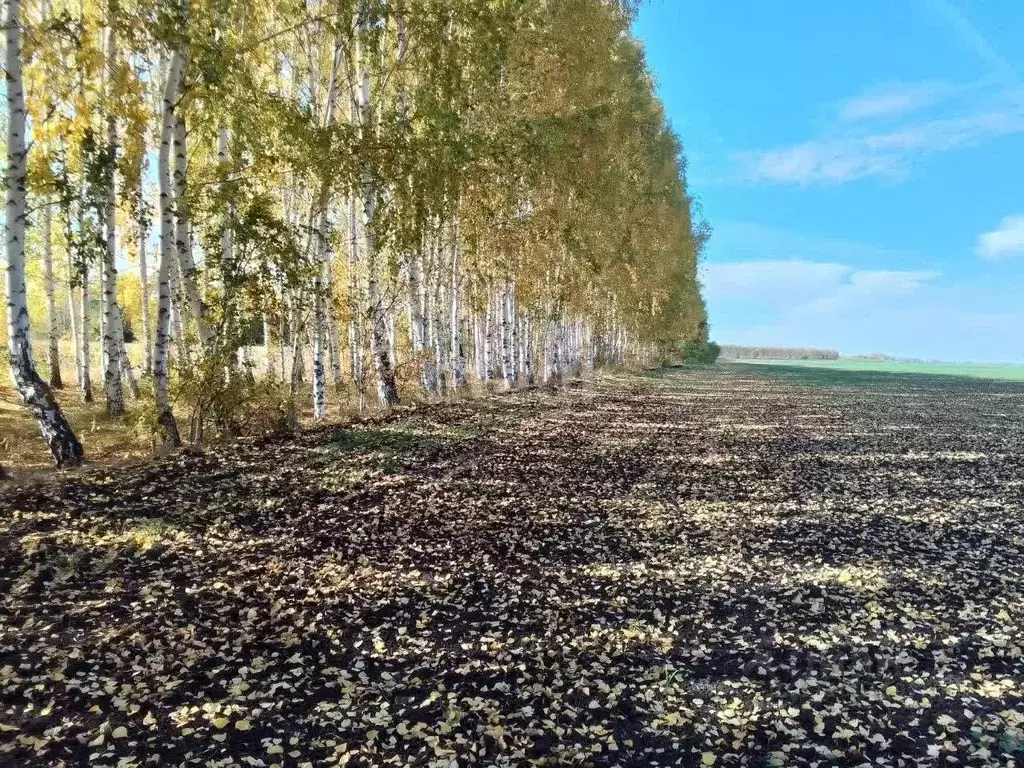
x,y
719,567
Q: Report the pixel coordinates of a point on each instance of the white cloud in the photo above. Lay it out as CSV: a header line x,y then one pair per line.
x,y
802,288
774,281
894,99
867,288
888,153
750,241
885,130
1003,242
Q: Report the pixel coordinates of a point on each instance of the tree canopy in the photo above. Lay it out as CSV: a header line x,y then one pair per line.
x,y
383,193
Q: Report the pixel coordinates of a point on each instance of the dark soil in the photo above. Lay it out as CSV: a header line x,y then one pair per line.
x,y
733,566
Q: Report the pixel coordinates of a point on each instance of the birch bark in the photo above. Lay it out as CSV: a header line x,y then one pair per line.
x,y
183,231
108,271
168,255
56,430
320,307
52,334
387,389
457,322
507,369
143,233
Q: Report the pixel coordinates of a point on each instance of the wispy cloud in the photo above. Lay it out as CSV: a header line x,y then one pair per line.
x,y
803,288
856,154
970,36
752,242
866,288
894,99
1004,242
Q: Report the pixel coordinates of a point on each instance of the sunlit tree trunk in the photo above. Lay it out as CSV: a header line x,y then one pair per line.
x,y
418,293
143,233
478,363
531,351
457,322
183,231
319,345
296,330
76,343
488,340
85,379
108,271
321,287
168,255
387,389
56,430
507,370
355,325
333,347
52,333
521,347
428,326
513,327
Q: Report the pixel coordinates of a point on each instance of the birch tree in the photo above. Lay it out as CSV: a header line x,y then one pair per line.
x,y
418,193
56,430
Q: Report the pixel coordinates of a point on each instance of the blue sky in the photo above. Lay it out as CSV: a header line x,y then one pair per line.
x,y
862,165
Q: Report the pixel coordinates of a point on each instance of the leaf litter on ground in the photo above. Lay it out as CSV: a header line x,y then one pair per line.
x,y
717,567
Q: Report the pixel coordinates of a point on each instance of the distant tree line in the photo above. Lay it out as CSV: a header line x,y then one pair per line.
x,y
734,352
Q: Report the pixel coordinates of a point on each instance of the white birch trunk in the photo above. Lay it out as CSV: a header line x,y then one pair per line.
x,y
478,366
319,348
489,338
52,334
521,346
183,232
556,351
431,372
333,348
545,352
296,330
320,322
168,256
355,327
108,271
513,316
387,389
531,376
507,370
147,331
457,322
414,291
57,433
85,380
73,315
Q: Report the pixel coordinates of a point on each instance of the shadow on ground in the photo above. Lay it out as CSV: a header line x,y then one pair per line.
x,y
704,567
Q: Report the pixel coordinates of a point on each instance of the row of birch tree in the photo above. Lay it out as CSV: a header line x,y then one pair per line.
x,y
331,199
